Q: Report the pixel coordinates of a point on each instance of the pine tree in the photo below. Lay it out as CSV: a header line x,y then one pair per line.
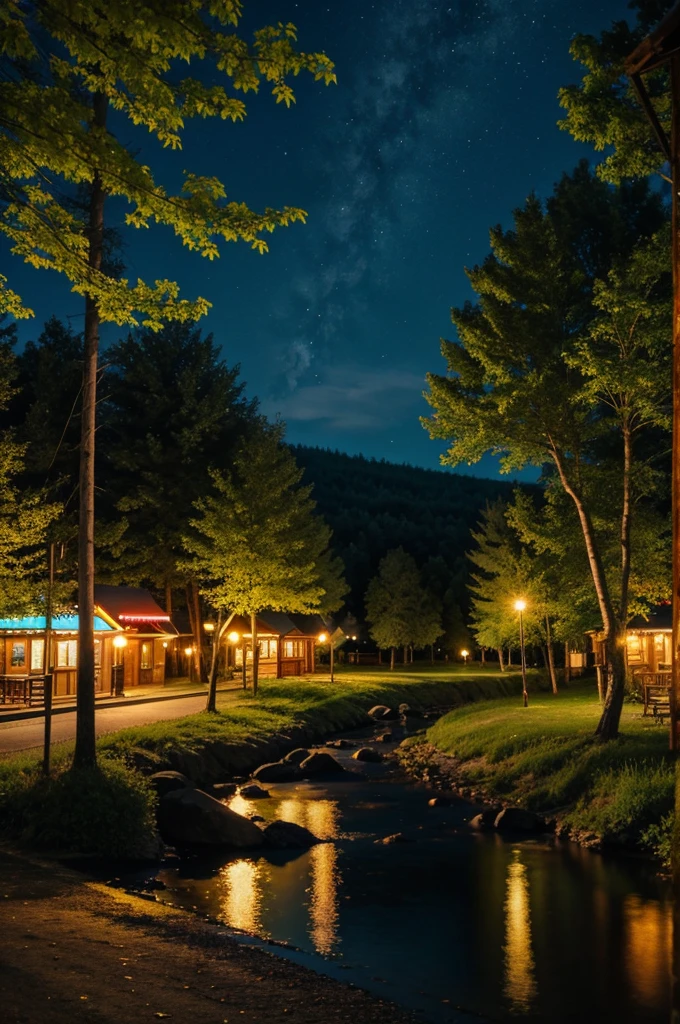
x,y
398,607
258,543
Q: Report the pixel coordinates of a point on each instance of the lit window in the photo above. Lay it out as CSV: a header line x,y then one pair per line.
x,y
37,655
146,656
18,654
67,653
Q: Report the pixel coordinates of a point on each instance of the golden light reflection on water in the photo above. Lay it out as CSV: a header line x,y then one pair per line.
x,y
520,982
323,907
648,928
241,884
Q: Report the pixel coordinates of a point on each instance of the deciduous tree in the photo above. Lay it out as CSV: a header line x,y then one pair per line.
x,y
66,67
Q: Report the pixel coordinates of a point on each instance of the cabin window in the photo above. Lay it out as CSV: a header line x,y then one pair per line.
x,y
67,653
634,648
146,656
293,649
267,649
37,655
19,654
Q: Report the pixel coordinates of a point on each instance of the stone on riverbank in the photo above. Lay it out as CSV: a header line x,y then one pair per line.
x,y
384,737
168,782
320,763
223,790
381,713
190,816
341,744
278,771
254,792
367,754
518,820
398,837
296,757
286,834
439,801
486,819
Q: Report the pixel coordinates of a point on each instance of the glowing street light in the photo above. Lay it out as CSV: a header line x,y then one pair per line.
x,y
324,638
120,641
520,607
464,655
209,627
233,637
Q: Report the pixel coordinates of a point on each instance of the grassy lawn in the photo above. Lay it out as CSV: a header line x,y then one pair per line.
x,y
545,758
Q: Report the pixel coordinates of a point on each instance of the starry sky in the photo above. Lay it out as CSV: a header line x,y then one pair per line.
x,y
443,120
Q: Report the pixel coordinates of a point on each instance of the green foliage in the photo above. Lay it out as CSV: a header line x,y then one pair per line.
x,y
258,542
107,811
604,109
544,757
374,506
66,61
172,414
25,516
400,610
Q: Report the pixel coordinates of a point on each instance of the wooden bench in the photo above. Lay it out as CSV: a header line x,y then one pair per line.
x,y
656,694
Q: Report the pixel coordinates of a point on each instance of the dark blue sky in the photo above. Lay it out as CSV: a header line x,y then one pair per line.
x,y
443,120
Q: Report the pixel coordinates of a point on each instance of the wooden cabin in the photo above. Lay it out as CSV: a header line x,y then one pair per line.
x,y
286,643
131,634
648,642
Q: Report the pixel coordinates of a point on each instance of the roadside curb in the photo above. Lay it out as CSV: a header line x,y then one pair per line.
x,y
18,716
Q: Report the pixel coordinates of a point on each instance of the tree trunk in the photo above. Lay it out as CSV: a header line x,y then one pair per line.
x,y
509,655
85,754
392,650
431,654
608,726
500,659
211,703
194,609
483,650
551,655
567,664
256,651
405,654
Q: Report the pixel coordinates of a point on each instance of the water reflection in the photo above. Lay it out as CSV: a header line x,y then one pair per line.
x,y
323,907
520,982
648,943
241,884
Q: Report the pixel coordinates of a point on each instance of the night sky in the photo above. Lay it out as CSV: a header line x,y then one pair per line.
x,y
443,120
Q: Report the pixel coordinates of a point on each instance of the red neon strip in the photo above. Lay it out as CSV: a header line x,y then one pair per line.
x,y
145,618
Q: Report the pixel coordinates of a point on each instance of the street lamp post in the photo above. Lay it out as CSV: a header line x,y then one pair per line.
x,y
323,638
519,607
464,655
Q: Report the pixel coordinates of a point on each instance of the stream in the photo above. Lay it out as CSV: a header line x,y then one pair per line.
x,y
455,924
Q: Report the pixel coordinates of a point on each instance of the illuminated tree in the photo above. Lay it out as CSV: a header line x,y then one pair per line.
x,y
258,543
399,609
547,365
66,67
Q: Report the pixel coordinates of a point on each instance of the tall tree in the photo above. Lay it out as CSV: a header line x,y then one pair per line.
x,y
516,387
398,606
258,543
65,67
25,516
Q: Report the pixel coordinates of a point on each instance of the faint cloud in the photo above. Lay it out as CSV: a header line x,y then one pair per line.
x,y
352,399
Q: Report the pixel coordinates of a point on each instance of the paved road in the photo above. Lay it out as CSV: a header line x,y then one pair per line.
x,y
22,735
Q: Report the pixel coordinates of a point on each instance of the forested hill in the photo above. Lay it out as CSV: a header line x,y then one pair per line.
x,y
373,506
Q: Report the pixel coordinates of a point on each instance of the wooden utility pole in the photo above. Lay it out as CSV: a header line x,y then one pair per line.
x,y
47,662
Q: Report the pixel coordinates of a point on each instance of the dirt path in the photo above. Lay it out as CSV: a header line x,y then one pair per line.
x,y
73,951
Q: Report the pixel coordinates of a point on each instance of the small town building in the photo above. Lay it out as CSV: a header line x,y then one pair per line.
x,y
286,643
648,642
131,635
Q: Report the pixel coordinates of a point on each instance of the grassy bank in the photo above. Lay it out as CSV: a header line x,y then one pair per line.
x,y
65,812
545,758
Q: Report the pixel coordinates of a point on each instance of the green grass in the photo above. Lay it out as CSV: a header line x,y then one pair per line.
x,y
546,758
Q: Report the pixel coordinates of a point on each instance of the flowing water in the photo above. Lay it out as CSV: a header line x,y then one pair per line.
x,y
455,924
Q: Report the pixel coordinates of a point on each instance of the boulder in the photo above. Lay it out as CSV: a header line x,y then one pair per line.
x,y
168,782
381,713
341,744
191,816
516,819
486,819
278,771
255,817
223,790
384,737
439,801
367,754
320,763
406,711
296,756
398,837
283,834
253,792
